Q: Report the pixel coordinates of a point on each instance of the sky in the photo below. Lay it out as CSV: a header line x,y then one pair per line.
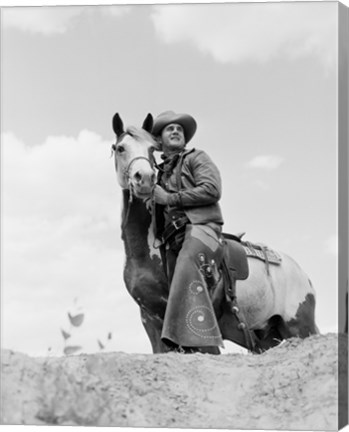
x,y
261,81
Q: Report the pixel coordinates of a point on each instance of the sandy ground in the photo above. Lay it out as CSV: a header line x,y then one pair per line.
x,y
293,386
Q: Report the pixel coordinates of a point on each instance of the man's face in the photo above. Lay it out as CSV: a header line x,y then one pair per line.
x,y
172,137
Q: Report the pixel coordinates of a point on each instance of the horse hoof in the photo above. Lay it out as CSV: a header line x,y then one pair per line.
x,y
235,309
241,326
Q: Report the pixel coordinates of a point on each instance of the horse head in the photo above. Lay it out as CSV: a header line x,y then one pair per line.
x,y
133,156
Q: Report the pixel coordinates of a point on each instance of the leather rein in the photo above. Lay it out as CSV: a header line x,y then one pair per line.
x,y
126,173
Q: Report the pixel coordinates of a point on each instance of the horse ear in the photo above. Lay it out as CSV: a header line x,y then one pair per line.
x,y
148,123
118,125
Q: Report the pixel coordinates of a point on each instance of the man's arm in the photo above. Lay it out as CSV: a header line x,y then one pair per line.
x,y
207,187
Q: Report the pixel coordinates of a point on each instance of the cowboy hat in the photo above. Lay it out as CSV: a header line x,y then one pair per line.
x,y
187,122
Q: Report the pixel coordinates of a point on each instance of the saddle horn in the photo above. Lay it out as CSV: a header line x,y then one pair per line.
x,y
118,125
148,123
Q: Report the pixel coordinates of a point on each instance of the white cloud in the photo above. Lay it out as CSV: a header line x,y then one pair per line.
x,y
331,245
115,10
258,32
45,20
63,176
60,239
54,19
265,162
262,185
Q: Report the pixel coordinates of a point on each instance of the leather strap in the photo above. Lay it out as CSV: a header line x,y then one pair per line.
x,y
174,226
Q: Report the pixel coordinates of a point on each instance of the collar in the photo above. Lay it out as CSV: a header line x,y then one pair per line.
x,y
182,153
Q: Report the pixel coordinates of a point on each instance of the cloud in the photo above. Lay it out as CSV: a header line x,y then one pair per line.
x,y
331,245
61,207
262,185
44,20
259,32
64,176
265,162
115,10
56,19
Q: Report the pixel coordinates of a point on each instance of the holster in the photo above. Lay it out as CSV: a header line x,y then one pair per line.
x,y
174,226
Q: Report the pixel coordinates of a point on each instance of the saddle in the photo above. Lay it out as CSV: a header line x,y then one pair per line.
x,y
262,252
237,251
235,267
235,257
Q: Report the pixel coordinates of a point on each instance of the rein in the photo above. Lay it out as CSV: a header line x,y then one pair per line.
x,y
128,168
126,173
130,188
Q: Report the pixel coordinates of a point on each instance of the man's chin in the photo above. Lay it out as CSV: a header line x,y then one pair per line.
x,y
178,145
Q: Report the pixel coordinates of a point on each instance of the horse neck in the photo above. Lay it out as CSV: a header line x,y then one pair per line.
x,y
136,221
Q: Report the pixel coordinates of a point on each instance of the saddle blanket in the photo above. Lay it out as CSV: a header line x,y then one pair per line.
x,y
262,252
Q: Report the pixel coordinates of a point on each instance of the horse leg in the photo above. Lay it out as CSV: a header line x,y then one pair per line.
x,y
278,329
303,323
272,334
153,327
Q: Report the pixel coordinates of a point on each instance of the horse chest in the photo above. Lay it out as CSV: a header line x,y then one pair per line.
x,y
154,251
146,282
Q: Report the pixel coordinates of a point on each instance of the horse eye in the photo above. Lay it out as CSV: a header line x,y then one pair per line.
x,y
120,149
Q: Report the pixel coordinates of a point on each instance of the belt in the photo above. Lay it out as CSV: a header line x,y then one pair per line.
x,y
174,226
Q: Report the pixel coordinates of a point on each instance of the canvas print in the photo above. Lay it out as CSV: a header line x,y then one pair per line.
x,y
174,221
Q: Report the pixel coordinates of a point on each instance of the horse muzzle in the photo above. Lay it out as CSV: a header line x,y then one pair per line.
x,y
143,180
140,177
142,184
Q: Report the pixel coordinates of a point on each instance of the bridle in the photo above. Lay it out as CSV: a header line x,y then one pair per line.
x,y
126,173
128,168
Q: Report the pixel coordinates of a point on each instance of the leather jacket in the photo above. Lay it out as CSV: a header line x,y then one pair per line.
x,y
196,187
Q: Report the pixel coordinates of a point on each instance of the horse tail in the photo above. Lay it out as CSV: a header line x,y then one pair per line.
x,y
311,286
316,328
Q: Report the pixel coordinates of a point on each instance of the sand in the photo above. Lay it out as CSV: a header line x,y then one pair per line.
x,y
293,386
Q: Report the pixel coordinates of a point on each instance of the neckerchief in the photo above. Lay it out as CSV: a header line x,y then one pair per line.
x,y
169,163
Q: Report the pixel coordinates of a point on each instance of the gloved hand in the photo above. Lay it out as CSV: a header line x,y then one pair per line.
x,y
160,195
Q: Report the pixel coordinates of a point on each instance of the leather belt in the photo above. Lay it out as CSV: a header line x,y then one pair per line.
x,y
174,226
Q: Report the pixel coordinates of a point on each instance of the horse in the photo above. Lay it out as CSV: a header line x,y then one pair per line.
x,y
276,301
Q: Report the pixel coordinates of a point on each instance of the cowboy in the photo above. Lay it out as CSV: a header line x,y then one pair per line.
x,y
189,224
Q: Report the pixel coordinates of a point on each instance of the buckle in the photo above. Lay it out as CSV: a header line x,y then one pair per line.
x,y
176,224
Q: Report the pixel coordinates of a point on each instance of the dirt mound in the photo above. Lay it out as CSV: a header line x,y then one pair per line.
x,y
293,386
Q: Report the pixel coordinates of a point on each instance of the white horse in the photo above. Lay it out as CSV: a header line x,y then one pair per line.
x,y
275,302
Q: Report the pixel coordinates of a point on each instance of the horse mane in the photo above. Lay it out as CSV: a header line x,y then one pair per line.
x,y
142,135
